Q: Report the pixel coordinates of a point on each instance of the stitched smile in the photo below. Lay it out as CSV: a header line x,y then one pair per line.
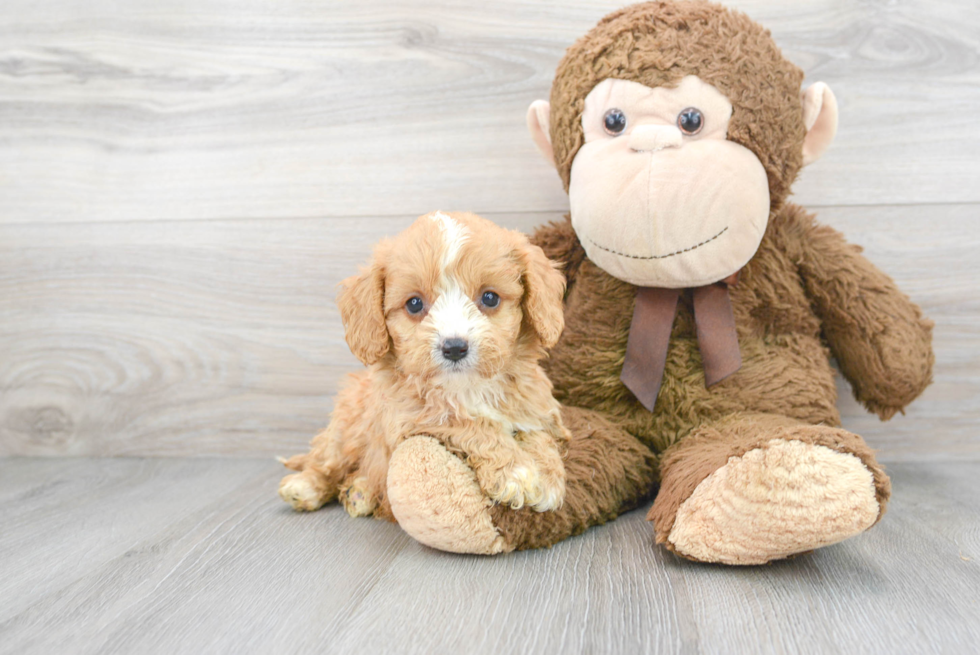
x,y
678,252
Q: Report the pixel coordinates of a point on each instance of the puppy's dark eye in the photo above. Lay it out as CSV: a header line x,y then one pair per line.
x,y
614,122
691,120
414,305
489,299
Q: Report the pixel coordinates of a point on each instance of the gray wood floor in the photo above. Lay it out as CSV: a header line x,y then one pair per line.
x,y
200,556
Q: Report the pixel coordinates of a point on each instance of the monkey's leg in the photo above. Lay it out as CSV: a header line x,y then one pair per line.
x,y
436,498
753,488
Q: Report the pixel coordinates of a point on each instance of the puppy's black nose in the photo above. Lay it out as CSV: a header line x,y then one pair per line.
x,y
454,349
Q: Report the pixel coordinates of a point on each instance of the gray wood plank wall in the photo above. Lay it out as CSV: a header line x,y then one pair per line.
x,y
183,184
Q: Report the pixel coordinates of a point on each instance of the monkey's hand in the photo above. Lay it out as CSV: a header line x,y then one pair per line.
x,y
880,338
560,244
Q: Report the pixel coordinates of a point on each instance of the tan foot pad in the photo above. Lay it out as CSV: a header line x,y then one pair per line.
x,y
436,499
773,502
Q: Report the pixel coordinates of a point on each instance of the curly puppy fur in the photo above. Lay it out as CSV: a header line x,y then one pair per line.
x,y
491,405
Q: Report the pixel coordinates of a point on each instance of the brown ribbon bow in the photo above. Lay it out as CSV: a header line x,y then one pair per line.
x,y
649,338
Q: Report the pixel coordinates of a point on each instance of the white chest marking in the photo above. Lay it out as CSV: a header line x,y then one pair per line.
x,y
481,399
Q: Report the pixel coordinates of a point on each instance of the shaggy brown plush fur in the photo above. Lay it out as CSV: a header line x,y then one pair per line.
x,y
658,43
804,296
709,447
806,289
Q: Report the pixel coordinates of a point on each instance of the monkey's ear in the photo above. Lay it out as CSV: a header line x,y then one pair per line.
x,y
820,120
361,302
539,125
544,293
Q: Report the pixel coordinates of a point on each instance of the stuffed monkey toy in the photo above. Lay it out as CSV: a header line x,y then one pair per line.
x,y
702,308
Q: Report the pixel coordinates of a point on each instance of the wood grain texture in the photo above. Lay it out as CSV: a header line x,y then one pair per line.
x,y
177,556
175,337
222,337
183,185
218,109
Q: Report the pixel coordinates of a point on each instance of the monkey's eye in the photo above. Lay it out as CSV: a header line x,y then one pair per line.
x,y
691,120
489,299
414,305
614,122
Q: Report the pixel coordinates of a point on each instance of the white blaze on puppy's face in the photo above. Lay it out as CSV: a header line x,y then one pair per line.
x,y
453,315
453,237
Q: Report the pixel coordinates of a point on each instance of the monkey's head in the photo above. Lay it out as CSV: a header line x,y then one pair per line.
x,y
677,129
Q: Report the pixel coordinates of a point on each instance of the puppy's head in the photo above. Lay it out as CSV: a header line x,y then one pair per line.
x,y
453,295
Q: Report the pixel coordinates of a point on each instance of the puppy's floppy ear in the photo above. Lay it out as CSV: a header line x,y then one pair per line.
x,y
544,292
361,302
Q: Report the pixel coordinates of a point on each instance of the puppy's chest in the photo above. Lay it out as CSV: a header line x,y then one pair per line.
x,y
463,408
504,416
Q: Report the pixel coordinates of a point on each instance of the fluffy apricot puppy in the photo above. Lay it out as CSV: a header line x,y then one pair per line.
x,y
451,318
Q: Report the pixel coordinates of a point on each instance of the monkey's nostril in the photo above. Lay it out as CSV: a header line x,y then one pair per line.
x,y
454,349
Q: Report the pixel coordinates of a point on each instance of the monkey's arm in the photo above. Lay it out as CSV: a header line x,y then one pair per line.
x,y
880,338
560,244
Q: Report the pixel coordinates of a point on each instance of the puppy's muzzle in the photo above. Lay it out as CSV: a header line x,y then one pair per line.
x,y
455,349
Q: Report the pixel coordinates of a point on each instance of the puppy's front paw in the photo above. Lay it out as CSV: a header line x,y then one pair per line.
x,y
357,498
550,491
511,485
526,484
303,492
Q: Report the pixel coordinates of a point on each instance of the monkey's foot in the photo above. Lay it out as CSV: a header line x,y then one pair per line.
x,y
733,499
436,498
